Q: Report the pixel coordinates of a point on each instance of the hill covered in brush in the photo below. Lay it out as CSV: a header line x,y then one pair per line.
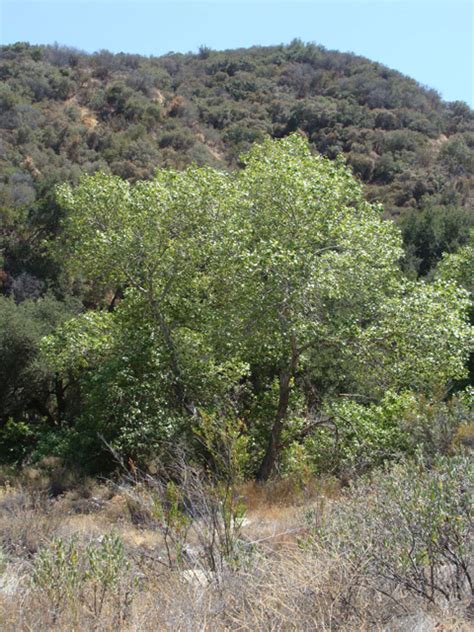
x,y
64,112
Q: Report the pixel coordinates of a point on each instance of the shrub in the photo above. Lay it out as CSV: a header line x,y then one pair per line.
x,y
180,140
57,574
362,165
437,427
457,156
189,505
3,562
354,438
410,529
108,574
98,575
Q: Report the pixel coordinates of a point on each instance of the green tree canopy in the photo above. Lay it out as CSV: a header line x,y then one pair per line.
x,y
260,292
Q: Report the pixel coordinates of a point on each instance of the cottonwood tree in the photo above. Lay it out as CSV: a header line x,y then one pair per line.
x,y
153,369
283,265
458,267
154,240
315,275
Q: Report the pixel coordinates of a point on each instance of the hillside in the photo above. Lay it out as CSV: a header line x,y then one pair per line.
x,y
64,112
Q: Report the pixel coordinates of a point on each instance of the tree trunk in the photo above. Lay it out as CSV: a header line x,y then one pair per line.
x,y
59,392
179,386
118,295
273,447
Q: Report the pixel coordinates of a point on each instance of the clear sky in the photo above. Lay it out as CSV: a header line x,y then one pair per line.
x,y
429,40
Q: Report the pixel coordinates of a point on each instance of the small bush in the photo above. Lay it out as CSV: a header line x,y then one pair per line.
x,y
96,577
3,562
464,437
438,427
354,438
26,520
191,508
58,574
410,529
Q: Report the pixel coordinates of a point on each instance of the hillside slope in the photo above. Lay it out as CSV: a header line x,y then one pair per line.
x,y
63,112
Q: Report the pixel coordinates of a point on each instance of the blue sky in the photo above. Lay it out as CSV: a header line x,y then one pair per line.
x,y
429,40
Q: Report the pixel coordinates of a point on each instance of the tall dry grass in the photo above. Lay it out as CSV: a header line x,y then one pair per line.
x,y
279,575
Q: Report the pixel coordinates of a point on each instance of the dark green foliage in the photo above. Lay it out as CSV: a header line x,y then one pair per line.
x,y
30,394
431,231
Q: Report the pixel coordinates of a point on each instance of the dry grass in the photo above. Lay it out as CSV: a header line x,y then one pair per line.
x,y
284,582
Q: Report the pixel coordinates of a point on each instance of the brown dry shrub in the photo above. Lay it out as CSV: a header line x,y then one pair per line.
x,y
26,521
288,491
